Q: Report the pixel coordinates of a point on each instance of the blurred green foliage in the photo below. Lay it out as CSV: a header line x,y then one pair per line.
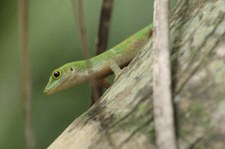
x,y
53,41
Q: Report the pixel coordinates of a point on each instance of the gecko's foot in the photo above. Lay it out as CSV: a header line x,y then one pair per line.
x,y
116,70
119,73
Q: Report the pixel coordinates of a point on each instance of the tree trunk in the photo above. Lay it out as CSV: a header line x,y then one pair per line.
x,y
124,119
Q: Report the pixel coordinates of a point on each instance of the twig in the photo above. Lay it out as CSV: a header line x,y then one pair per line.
x,y
104,26
102,39
84,40
79,14
26,84
163,107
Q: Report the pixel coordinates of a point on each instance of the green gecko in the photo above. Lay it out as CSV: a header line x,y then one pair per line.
x,y
102,65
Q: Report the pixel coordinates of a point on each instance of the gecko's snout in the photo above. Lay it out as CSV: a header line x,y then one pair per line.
x,y
46,92
48,89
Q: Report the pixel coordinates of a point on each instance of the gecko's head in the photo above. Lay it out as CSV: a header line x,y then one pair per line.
x,y
63,78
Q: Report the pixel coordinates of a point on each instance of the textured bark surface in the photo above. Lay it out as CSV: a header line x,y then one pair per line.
x,y
124,119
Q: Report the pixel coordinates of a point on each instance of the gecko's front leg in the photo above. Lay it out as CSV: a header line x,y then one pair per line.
x,y
116,69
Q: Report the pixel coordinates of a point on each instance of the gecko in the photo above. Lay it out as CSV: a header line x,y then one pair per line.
x,y
102,65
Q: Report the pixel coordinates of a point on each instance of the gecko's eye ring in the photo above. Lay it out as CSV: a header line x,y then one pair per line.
x,y
56,74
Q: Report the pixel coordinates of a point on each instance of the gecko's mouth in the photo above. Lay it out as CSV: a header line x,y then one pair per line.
x,y
55,85
47,92
51,87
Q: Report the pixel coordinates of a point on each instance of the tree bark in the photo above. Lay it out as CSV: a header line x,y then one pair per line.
x,y
123,117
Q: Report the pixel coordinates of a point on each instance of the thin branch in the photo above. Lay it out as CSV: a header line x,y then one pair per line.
x,y
104,26
26,84
83,34
79,14
163,107
102,39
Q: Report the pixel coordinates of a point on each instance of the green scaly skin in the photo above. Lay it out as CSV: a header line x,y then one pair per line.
x,y
77,72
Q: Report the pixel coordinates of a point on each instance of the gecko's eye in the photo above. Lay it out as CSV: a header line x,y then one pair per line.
x,y
56,74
